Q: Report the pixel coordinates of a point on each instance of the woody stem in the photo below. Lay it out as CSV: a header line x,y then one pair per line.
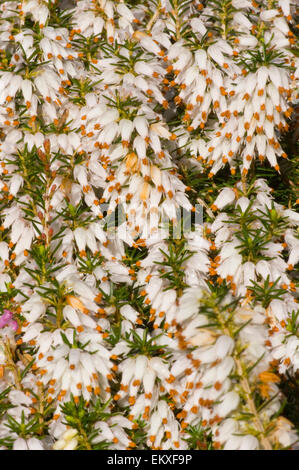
x,y
246,389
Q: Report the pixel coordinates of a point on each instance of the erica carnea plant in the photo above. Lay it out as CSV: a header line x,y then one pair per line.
x,y
148,236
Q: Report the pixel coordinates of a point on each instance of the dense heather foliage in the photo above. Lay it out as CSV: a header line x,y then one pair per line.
x,y
148,233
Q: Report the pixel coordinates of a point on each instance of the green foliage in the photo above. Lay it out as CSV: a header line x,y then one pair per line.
x,y
24,428
172,267
145,345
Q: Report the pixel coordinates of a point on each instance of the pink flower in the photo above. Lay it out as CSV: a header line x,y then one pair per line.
x,y
7,320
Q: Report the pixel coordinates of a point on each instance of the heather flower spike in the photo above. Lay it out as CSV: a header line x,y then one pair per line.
x,y
7,320
148,229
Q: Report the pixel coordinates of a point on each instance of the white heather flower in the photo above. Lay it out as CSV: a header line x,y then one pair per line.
x,y
129,313
229,402
285,6
189,303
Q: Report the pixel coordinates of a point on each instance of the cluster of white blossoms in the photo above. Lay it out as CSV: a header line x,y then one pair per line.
x,y
148,233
